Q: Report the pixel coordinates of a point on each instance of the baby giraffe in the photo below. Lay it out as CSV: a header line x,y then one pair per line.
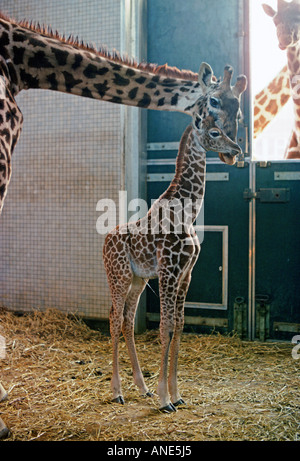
x,y
163,244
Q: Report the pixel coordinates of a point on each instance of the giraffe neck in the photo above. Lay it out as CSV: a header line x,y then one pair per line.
x,y
188,185
37,59
269,101
293,55
11,120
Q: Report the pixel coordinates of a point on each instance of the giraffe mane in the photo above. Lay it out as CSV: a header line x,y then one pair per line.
x,y
164,70
179,164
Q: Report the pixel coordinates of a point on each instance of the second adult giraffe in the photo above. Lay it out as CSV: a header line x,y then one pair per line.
x,y
287,22
164,245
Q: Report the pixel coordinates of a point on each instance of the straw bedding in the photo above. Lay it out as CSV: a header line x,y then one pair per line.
x,y
57,373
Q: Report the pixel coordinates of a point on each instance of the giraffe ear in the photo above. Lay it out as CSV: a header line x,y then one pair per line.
x,y
269,10
205,76
240,86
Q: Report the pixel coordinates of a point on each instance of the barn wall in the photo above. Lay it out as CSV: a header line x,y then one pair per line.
x,y
69,156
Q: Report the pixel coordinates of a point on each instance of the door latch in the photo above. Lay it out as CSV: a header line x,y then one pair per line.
x,y
271,195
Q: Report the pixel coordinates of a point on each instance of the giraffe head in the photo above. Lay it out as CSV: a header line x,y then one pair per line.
x,y
220,104
212,138
287,22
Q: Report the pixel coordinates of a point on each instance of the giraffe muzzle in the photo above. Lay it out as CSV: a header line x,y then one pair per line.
x,y
230,157
227,158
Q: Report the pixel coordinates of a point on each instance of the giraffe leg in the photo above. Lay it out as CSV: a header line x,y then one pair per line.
x,y
179,324
4,431
5,169
174,352
116,321
3,393
119,277
168,294
137,287
119,289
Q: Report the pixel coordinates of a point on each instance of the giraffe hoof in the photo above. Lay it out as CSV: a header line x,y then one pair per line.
x,y
119,400
168,408
4,397
148,394
5,433
179,402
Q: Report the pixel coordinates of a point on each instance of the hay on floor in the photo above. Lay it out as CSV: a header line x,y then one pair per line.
x,y
57,373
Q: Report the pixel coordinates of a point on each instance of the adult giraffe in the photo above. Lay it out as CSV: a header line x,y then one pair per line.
x,y
35,57
287,22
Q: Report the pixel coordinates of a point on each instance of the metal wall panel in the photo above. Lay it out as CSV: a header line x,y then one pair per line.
x,y
68,158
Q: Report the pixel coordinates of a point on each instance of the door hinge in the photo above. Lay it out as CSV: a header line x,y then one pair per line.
x,y
271,195
262,317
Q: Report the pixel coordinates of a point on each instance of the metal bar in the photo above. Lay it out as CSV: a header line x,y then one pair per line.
x,y
134,36
286,327
287,175
161,161
158,146
225,267
172,161
163,177
251,255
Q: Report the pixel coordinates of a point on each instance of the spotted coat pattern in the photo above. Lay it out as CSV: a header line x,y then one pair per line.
x,y
269,101
11,121
163,245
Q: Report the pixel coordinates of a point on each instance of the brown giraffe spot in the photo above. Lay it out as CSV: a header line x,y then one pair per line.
x,y
272,107
262,100
275,87
284,98
294,142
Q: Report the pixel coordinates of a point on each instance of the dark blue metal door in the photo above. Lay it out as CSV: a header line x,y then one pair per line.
x,y
183,34
276,313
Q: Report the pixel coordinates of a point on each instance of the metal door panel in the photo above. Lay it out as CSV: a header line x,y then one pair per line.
x,y
278,252
220,275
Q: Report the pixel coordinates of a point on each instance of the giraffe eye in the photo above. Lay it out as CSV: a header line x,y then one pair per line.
x,y
214,102
214,134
